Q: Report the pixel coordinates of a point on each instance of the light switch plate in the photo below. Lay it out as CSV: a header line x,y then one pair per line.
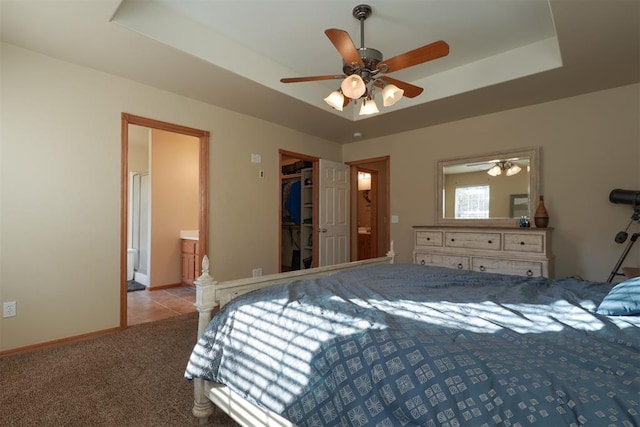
x,y
395,219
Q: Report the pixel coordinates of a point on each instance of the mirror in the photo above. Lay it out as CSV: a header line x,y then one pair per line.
x,y
468,195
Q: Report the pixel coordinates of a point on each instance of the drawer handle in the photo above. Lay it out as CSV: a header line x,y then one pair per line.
x,y
490,242
422,262
522,243
459,266
529,273
428,238
482,268
453,240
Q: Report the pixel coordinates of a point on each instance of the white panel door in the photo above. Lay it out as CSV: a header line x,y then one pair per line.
x,y
333,212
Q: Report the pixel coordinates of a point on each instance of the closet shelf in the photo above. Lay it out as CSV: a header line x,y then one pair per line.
x,y
290,176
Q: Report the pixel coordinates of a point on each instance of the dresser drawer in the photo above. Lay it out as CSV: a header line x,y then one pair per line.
x,y
428,238
506,266
486,241
439,260
531,243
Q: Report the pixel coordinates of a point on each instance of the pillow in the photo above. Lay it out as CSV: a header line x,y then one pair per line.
x,y
623,299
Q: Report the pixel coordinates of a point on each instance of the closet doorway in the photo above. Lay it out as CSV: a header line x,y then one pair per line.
x,y
297,247
202,139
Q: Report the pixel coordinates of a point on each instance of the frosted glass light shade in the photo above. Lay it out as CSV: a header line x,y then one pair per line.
x,y
391,94
335,100
368,107
495,170
514,169
353,86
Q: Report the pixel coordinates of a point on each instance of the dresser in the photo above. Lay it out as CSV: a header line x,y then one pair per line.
x,y
519,251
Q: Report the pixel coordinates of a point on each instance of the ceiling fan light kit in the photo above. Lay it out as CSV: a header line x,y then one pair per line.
x,y
364,67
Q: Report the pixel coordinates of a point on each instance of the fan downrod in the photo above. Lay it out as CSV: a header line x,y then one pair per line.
x,y
370,57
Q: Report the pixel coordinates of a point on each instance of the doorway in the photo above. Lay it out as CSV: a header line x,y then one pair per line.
x,y
370,230
298,211
367,213
203,191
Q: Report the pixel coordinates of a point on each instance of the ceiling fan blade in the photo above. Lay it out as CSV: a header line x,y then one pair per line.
x,y
344,45
410,91
417,56
311,78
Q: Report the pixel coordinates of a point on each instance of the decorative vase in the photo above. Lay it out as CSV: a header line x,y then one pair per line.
x,y
541,217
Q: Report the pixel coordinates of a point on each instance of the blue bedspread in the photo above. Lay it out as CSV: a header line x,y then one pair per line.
x,y
394,345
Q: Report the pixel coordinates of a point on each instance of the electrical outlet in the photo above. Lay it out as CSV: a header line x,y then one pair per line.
x,y
9,309
256,272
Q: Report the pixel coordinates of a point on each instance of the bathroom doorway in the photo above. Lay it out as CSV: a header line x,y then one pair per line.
x,y
128,206
370,230
367,213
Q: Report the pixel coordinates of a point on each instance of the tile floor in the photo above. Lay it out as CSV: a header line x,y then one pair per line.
x,y
148,306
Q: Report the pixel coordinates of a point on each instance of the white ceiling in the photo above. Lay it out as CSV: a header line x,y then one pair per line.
x,y
503,54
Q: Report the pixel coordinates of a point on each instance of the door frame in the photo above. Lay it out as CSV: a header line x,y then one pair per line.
x,y
203,183
383,209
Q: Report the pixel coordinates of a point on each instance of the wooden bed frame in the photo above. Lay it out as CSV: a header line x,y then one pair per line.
x,y
211,294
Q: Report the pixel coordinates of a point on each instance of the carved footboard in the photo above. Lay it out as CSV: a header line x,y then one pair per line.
x,y
211,294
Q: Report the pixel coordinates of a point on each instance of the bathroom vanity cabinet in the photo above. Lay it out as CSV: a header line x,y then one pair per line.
x,y
190,252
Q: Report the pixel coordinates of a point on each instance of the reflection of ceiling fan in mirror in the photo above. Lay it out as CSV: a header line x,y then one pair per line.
x,y
365,70
497,167
509,168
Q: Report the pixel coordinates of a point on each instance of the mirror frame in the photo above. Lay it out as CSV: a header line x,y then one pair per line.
x,y
534,187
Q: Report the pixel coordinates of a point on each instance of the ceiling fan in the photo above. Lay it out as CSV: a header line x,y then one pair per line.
x,y
365,69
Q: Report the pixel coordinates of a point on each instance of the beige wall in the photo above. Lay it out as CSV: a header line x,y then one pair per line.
x,y
174,202
590,145
60,191
138,147
60,186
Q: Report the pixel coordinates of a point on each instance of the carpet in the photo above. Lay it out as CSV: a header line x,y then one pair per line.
x,y
133,286
128,378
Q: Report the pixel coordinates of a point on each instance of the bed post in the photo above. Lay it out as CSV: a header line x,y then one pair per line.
x,y
205,302
392,254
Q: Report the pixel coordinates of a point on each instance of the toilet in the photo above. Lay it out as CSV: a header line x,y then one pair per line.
x,y
131,262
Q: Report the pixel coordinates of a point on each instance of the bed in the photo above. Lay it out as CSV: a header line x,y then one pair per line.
x,y
381,344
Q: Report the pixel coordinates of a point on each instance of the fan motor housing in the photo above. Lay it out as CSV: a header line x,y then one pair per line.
x,y
371,58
